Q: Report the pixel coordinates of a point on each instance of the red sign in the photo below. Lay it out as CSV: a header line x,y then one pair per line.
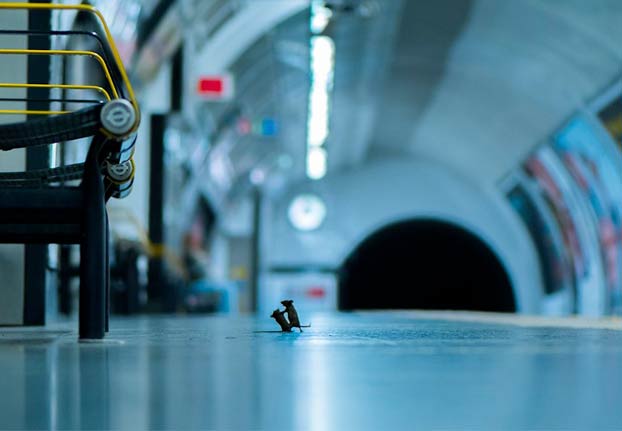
x,y
217,87
316,292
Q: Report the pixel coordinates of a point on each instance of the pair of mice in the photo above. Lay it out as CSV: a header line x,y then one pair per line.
x,y
292,321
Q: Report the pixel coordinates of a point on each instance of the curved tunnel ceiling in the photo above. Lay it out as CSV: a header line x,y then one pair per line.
x,y
474,84
478,83
509,84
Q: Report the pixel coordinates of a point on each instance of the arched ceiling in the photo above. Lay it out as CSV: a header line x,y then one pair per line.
x,y
478,83
473,84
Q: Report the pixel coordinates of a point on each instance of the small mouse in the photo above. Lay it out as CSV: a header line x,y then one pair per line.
x,y
292,315
279,316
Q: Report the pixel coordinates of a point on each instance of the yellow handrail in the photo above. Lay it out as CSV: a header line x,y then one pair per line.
x,y
30,112
92,54
97,88
100,17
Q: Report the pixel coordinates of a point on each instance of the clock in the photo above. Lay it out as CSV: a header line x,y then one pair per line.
x,y
307,212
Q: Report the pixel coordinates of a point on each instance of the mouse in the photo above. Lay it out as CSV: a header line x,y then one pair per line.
x,y
279,316
292,315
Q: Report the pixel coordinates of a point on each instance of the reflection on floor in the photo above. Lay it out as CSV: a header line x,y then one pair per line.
x,y
380,371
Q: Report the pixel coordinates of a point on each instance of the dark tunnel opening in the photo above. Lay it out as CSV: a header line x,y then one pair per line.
x,y
424,264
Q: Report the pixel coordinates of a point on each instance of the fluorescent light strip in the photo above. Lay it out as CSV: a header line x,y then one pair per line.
x,y
322,70
320,17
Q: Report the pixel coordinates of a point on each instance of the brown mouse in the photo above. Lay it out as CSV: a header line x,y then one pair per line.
x,y
279,316
292,315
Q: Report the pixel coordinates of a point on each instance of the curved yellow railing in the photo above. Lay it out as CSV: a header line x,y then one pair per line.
x,y
48,112
97,88
113,47
30,112
92,54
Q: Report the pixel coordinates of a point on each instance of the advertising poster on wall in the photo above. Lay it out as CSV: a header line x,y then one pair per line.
x,y
558,205
579,233
586,158
555,262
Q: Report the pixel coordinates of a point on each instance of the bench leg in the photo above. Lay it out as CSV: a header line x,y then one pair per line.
x,y
93,255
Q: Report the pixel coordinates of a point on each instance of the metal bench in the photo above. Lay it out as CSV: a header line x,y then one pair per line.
x,y
67,204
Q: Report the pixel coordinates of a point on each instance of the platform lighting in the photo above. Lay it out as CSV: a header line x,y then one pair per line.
x,y
320,16
316,163
322,68
257,177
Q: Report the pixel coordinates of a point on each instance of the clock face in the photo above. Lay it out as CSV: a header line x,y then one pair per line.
x,y
306,212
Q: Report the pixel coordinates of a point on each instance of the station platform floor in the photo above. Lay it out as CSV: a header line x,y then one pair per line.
x,y
355,371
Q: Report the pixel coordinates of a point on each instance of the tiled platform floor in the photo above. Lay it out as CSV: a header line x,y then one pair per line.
x,y
379,371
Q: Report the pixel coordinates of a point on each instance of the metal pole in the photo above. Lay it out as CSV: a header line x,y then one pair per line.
x,y
255,267
36,255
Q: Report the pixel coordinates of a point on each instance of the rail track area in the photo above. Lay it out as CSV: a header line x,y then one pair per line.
x,y
376,370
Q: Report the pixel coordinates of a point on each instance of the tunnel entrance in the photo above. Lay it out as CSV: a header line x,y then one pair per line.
x,y
424,264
